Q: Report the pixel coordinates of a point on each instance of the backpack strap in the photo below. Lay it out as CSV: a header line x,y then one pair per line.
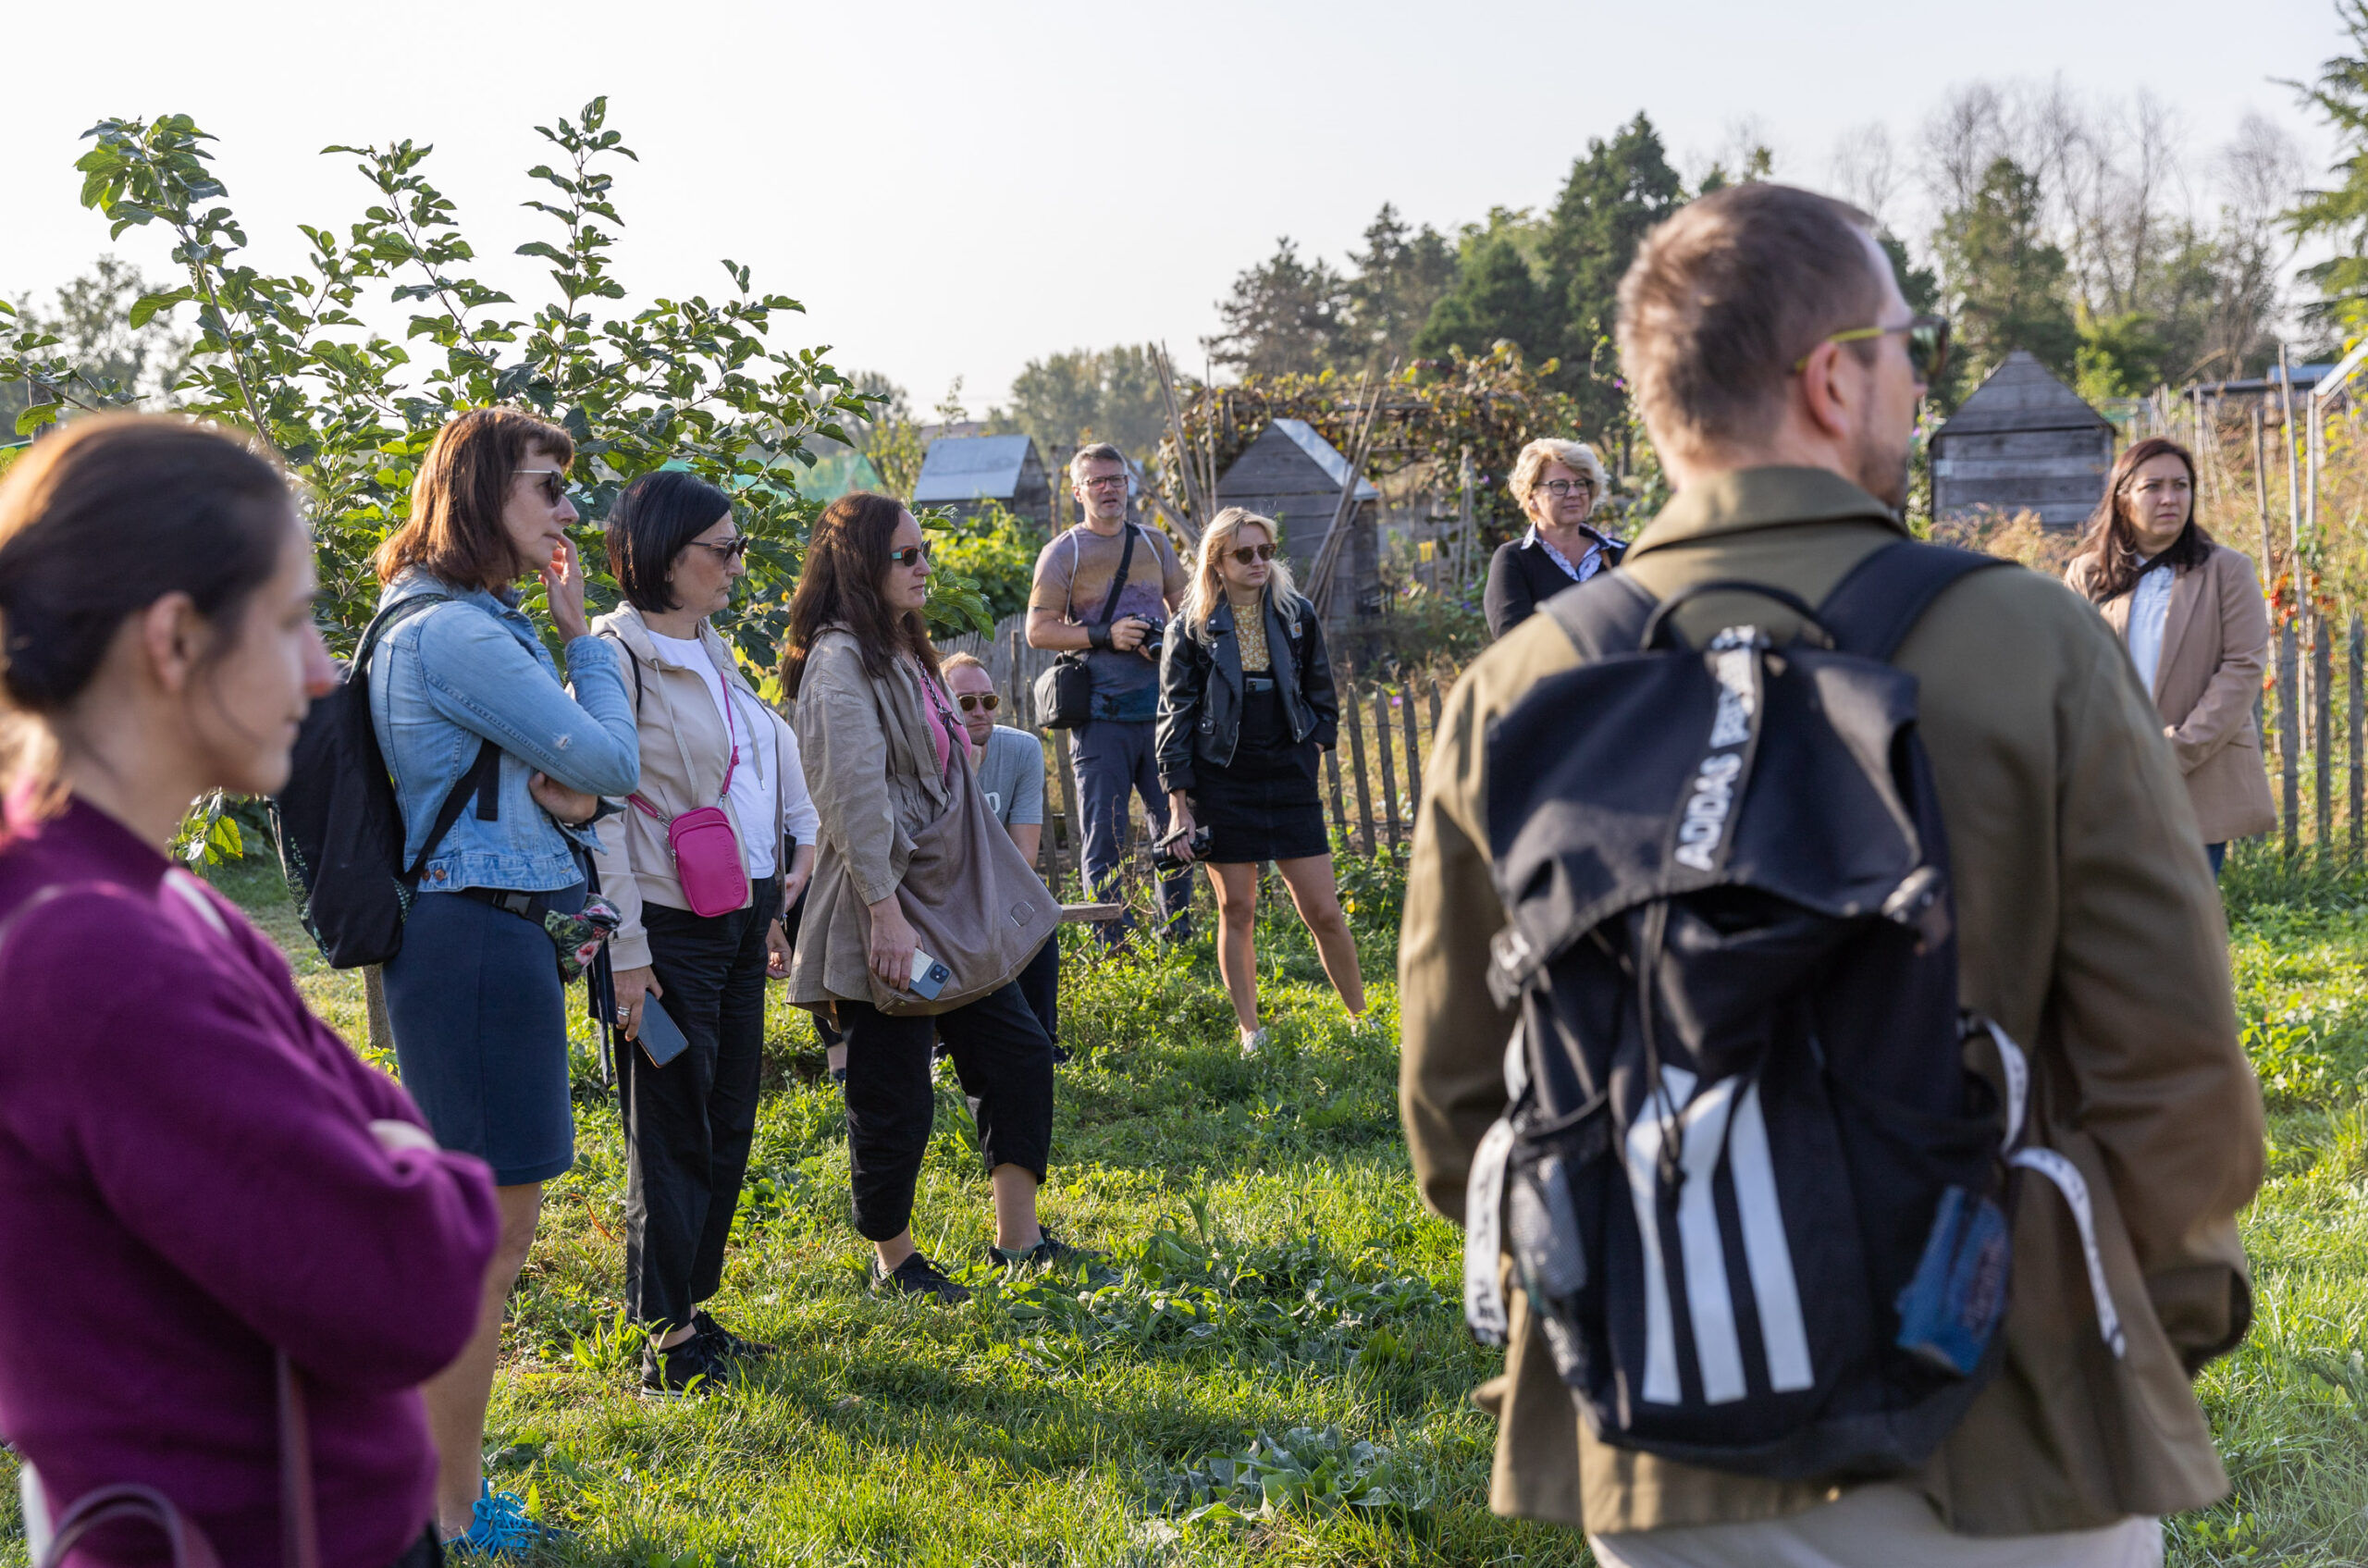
x,y
1878,602
1604,616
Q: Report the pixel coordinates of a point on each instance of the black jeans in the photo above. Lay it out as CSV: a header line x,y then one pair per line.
x,y
1039,983
1004,1060
688,1124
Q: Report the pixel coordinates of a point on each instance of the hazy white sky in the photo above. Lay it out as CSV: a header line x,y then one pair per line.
x,y
955,188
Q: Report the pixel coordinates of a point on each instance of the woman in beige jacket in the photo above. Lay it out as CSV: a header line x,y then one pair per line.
x,y
2191,615
689,1093
886,755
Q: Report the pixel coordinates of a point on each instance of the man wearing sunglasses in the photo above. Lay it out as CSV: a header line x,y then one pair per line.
x,y
1078,602
1777,370
1010,768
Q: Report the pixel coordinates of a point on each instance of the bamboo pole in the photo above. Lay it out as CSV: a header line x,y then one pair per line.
x,y
1196,502
2322,772
2356,706
1389,770
1320,572
2289,741
2261,493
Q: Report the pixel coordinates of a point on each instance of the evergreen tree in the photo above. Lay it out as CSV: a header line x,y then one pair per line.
x,y
2339,214
1282,315
1496,296
2006,279
1400,276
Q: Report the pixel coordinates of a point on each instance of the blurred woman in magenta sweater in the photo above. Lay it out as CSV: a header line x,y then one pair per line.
x,y
195,1172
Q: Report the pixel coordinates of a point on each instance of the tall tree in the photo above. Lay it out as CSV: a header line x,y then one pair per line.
x,y
1399,276
1616,191
91,321
2004,278
1106,394
1282,315
1498,297
2339,214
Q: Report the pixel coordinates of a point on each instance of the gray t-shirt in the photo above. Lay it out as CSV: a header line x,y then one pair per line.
x,y
1073,576
1012,775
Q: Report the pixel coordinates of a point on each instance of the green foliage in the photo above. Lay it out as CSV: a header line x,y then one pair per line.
x,y
95,346
2005,279
1305,1470
1065,400
286,355
991,548
1291,317
2120,356
2339,215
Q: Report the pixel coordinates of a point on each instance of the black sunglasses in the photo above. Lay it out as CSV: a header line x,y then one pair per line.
x,y
731,549
552,482
1249,553
1928,345
985,699
911,555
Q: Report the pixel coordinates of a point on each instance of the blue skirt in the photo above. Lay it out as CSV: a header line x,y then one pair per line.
x,y
480,1022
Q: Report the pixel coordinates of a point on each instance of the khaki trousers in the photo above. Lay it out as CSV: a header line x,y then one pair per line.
x,y
1876,1526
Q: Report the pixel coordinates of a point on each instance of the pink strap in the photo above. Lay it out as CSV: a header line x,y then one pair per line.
x,y
729,768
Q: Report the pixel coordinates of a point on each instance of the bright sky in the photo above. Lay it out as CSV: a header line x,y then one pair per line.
x,y
954,189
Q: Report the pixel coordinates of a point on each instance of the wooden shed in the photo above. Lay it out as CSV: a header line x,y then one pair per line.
x,y
959,472
2024,441
1295,477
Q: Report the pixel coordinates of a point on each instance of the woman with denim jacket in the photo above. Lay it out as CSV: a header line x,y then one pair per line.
x,y
464,696
1246,707
708,741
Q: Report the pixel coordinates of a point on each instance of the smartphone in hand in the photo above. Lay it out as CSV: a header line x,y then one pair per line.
x,y
930,975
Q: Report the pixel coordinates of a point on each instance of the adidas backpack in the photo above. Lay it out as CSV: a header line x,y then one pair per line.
x,y
1750,1180
339,826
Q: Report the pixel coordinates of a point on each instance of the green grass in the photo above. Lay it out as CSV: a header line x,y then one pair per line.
x,y
1280,1287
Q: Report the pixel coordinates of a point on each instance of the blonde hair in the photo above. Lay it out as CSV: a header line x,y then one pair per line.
x,y
1207,589
1576,456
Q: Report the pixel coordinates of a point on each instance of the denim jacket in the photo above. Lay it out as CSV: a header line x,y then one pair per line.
x,y
449,677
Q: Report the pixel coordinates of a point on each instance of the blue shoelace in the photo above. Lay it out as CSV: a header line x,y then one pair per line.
x,y
498,1524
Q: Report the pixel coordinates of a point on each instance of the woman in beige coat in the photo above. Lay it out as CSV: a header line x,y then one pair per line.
x,y
2191,615
886,757
687,1083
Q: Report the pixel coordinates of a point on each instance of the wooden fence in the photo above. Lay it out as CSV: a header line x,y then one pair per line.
x,y
1373,778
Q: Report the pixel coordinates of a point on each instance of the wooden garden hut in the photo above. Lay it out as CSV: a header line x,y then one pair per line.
x,y
1295,477
2024,441
960,472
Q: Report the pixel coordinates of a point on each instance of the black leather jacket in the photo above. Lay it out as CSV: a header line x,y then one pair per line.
x,y
1200,687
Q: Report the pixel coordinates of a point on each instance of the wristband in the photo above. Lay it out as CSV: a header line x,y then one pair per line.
x,y
1097,635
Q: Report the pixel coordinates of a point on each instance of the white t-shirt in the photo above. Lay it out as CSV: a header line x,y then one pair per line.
x,y
754,804
2150,609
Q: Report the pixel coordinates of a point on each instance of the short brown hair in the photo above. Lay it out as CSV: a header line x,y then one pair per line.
x,y
1725,297
1100,452
455,531
962,662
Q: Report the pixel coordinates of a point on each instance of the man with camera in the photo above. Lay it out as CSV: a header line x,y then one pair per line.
x,y
1072,606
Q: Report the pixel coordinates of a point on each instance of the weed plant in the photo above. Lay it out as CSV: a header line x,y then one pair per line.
x,y
1268,1363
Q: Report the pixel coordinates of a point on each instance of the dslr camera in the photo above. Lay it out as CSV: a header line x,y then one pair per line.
x,y
1165,858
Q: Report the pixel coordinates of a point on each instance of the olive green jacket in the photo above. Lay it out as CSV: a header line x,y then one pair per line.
x,y
2089,927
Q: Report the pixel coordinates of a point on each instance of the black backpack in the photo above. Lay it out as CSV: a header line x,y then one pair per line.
x,y
1751,1182
339,826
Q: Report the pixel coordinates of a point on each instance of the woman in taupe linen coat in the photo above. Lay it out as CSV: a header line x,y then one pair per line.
x,y
2191,615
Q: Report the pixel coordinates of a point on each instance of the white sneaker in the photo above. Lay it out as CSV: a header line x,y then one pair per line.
x,y
1253,1042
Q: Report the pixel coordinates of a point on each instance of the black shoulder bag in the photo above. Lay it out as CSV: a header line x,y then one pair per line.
x,y
1065,692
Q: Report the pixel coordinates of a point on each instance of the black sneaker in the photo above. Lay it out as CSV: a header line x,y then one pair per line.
x,y
839,1077
1049,1251
916,1276
722,1344
686,1368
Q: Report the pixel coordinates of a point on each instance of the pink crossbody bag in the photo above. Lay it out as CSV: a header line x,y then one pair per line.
x,y
706,850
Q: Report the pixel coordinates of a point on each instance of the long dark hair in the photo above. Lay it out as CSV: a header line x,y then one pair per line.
x,y
2110,541
846,560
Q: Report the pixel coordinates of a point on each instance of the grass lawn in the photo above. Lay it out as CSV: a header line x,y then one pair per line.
x,y
1284,1300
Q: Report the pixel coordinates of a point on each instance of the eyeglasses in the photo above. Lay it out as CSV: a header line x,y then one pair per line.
x,y
1249,553
1928,345
1559,489
1107,481
911,555
554,483
985,699
731,549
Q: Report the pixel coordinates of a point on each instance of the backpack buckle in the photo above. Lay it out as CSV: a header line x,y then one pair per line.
x,y
1920,904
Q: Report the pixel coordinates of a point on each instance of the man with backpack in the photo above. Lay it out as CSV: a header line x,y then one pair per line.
x,y
1800,1264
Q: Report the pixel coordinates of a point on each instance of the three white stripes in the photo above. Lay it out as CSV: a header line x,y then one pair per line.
x,y
1705,1134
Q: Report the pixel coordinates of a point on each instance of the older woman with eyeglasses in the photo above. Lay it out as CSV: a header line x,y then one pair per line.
x,y
1558,483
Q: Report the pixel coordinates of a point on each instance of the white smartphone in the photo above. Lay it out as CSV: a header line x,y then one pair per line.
x,y
929,975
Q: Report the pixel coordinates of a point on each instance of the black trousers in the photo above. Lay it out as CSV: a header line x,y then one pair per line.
x,y
1005,1062
688,1124
1039,983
